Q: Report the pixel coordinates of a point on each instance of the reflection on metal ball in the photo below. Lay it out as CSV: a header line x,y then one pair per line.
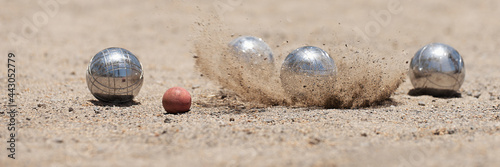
x,y
438,67
114,75
308,72
251,50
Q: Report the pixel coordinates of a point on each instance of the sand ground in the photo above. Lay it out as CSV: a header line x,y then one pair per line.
x,y
61,124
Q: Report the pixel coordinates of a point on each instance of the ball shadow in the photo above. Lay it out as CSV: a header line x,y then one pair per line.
x,y
334,103
114,104
179,113
438,93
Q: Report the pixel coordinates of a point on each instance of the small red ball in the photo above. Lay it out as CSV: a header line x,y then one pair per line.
x,y
176,100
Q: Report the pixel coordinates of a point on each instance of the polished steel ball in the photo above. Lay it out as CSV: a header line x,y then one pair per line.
x,y
308,72
437,66
251,50
114,75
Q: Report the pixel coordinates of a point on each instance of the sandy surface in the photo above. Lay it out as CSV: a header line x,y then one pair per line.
x,y
61,124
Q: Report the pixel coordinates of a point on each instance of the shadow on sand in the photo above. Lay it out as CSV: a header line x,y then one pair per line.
x,y
111,104
438,93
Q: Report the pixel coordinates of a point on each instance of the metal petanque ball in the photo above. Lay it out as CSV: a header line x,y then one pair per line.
x,y
437,67
251,50
114,75
308,73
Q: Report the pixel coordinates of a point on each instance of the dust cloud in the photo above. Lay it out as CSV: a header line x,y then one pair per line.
x,y
366,76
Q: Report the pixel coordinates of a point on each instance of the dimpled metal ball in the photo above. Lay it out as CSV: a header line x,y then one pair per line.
x,y
251,50
114,75
437,66
307,71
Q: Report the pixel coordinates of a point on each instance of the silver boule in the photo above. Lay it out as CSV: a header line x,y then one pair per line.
x,y
114,75
437,66
251,50
308,73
